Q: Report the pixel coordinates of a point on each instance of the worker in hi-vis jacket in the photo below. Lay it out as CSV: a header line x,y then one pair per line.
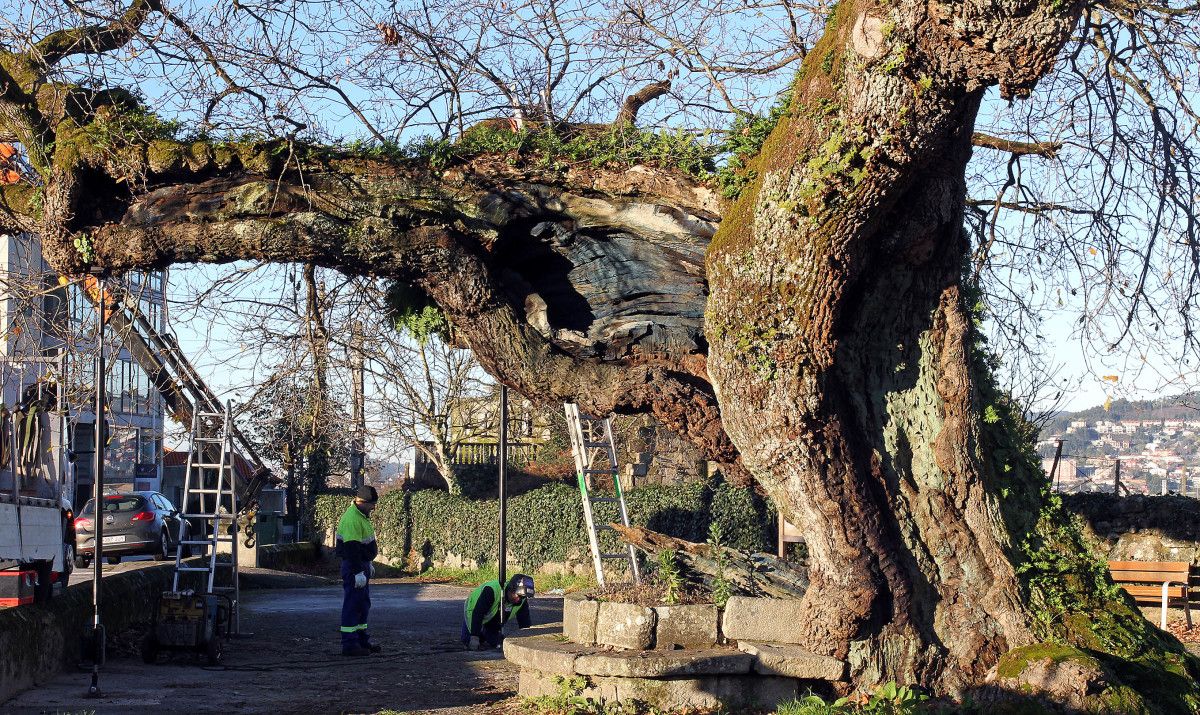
x,y
483,615
356,546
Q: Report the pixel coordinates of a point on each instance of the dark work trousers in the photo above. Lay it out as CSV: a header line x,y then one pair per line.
x,y
356,604
491,635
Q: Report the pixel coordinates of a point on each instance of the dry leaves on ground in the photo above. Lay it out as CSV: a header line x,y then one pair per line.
x,y
1182,632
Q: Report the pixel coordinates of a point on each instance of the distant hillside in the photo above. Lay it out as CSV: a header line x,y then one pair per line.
x,y
1185,406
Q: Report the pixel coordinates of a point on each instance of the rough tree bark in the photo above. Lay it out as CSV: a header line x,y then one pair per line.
x,y
840,346
841,343
836,351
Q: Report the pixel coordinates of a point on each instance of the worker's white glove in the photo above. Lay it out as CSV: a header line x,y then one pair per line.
x,y
371,570
360,579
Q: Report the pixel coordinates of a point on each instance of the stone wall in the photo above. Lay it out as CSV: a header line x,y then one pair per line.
x,y
1141,528
39,641
653,454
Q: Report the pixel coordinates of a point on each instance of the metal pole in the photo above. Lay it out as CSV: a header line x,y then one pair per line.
x,y
359,441
1054,477
97,493
1117,476
502,557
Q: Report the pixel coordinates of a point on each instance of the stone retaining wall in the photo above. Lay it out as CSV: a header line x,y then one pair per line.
x,y
39,641
282,556
1141,528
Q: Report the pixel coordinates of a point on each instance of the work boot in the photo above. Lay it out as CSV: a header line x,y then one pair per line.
x,y
356,650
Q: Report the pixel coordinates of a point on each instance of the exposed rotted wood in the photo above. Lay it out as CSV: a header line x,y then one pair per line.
x,y
749,574
585,286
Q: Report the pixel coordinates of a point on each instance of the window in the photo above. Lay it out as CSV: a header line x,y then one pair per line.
x,y
148,447
118,502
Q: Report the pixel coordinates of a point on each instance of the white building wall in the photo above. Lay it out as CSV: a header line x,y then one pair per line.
x,y
136,416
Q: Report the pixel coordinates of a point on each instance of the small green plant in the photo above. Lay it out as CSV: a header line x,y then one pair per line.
x,y
887,699
745,139
827,62
415,313
83,244
548,148
721,589
569,700
668,573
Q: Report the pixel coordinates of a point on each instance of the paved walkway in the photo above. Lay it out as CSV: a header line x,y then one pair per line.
x,y
292,662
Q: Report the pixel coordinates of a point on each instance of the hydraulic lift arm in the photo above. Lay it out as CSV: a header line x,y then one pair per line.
x,y
174,377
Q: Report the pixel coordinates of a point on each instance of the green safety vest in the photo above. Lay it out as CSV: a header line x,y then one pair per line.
x,y
355,526
497,600
497,597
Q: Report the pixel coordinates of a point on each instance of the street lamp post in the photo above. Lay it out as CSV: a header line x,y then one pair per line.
x,y
502,559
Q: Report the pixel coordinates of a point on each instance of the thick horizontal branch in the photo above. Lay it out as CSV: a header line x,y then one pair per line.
x,y
585,285
94,39
1048,150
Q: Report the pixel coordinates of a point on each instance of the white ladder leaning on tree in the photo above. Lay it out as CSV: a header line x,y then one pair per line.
x,y
210,499
596,455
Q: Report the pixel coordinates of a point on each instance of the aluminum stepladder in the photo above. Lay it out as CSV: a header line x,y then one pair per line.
x,y
210,498
596,455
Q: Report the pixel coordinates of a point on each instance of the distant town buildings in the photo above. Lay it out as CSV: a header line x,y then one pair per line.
x,y
1146,455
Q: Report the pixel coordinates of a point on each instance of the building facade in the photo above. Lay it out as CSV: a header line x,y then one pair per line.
x,y
50,349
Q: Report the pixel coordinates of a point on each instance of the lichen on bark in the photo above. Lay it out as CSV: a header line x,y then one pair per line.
x,y
844,253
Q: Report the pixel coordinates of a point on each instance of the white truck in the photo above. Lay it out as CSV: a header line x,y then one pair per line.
x,y
37,540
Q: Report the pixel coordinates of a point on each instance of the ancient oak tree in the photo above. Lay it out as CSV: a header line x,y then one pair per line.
x,y
807,318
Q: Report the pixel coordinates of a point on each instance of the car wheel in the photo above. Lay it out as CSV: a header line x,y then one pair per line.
x,y
82,562
164,547
44,590
114,560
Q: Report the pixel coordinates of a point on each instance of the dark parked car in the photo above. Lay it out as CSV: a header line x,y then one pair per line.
x,y
134,523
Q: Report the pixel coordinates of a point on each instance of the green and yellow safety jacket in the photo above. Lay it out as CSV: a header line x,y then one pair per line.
x,y
483,609
355,542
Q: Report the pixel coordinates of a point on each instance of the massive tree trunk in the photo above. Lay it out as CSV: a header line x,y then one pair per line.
x,y
841,347
851,396
835,362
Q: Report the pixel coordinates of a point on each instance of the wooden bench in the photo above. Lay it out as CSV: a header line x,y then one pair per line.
x,y
1154,582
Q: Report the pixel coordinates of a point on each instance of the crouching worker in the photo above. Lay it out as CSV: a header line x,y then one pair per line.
x,y
356,546
485,615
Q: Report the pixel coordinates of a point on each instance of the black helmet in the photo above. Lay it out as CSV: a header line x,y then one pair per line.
x,y
367,493
520,585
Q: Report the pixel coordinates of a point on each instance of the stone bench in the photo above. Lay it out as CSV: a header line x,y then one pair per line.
x,y
626,625
709,678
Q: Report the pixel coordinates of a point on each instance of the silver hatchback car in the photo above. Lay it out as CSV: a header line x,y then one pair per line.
x,y
134,523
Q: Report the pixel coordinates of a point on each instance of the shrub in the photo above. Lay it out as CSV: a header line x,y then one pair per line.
x,y
546,524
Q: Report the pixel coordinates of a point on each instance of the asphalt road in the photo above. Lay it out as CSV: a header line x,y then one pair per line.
x,y
292,662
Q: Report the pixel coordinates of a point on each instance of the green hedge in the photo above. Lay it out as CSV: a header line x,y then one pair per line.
x,y
546,525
